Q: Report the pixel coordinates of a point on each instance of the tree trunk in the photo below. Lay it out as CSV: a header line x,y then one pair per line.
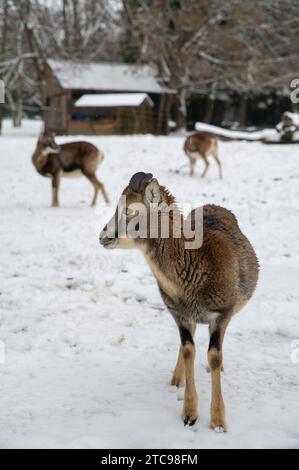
x,y
161,115
167,114
11,106
16,105
19,103
4,33
209,110
181,110
243,111
77,29
65,25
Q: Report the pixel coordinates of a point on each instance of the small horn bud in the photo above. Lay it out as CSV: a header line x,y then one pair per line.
x,y
139,178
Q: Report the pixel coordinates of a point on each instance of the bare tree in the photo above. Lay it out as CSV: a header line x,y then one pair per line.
x,y
33,30
213,46
209,48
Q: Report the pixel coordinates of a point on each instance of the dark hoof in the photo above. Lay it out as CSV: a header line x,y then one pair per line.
x,y
190,420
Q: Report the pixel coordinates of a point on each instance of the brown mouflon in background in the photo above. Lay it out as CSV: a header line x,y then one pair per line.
x,y
200,145
205,285
71,160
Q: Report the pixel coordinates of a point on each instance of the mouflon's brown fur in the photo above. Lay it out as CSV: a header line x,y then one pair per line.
x,y
200,145
206,285
68,160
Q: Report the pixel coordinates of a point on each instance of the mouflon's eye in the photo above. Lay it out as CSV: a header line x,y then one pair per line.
x,y
127,211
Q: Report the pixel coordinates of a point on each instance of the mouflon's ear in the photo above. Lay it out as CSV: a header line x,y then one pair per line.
x,y
152,192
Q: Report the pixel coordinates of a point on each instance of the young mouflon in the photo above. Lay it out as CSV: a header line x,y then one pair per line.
x,y
73,159
205,284
200,145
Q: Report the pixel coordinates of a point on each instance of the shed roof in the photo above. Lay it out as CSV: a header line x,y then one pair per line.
x,y
113,100
75,75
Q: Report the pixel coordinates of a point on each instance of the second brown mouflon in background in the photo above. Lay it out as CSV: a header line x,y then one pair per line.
x,y
69,160
199,146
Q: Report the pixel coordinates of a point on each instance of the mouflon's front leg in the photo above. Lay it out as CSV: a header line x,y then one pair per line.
x,y
190,409
55,188
178,376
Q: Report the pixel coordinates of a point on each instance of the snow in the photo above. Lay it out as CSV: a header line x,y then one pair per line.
x,y
257,135
106,76
266,134
114,99
294,116
292,128
87,344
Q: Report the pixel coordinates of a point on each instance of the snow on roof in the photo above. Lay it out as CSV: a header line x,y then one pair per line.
x,y
112,100
106,76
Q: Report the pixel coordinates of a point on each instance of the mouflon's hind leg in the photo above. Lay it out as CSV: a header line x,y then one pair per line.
x,y
222,365
209,370
207,164
102,188
98,186
214,152
219,165
217,331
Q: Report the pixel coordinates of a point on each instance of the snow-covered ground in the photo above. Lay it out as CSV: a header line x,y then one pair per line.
x,y
87,347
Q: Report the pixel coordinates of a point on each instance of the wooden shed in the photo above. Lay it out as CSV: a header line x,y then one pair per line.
x,y
104,98
127,113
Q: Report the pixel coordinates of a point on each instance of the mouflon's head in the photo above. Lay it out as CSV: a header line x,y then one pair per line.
x,y
132,221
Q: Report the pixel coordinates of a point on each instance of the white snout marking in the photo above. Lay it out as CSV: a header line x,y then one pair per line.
x,y
49,150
